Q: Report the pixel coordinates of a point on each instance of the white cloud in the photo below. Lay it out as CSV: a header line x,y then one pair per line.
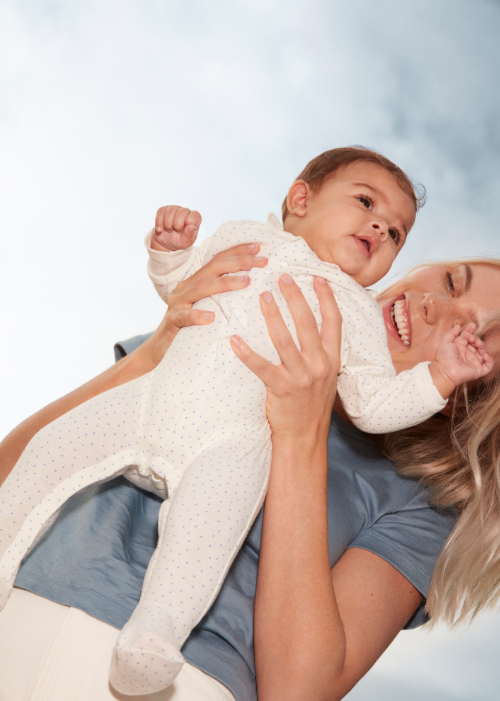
x,y
437,665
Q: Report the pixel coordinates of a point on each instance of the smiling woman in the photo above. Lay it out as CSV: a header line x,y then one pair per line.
x,y
459,458
431,299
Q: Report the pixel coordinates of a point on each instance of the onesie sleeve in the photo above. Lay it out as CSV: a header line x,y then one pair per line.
x,y
375,398
166,269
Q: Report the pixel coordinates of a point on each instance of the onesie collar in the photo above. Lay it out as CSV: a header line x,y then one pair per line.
x,y
273,220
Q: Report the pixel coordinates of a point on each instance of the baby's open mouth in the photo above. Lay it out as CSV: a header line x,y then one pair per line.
x,y
366,242
400,320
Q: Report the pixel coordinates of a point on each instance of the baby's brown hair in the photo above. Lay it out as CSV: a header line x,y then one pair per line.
x,y
326,164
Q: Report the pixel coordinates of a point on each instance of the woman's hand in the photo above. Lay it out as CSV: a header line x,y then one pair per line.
x,y
209,280
300,391
299,639
317,631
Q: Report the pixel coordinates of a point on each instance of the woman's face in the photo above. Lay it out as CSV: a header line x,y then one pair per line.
x,y
434,300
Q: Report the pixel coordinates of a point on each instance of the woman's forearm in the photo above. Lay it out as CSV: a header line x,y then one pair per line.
x,y
129,368
299,637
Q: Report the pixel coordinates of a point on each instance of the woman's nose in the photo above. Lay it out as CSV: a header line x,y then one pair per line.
x,y
438,307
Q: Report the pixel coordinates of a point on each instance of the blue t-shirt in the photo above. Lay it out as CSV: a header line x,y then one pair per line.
x,y
95,556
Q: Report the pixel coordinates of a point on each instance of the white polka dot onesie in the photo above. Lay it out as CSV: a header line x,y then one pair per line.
x,y
194,431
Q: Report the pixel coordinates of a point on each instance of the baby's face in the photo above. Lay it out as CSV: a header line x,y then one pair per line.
x,y
359,220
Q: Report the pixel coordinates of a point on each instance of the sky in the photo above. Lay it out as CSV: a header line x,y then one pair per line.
x,y
111,109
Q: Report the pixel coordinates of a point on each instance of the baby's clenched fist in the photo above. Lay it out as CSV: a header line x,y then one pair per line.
x,y
176,228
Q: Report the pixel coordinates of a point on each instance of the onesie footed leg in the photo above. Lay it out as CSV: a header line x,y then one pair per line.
x,y
5,589
146,659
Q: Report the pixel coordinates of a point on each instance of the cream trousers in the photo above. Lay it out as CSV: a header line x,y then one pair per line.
x,y
50,652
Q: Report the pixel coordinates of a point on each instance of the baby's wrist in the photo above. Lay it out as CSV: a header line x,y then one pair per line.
x,y
157,246
441,379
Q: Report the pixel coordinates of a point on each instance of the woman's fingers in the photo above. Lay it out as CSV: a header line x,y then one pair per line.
x,y
278,331
234,260
264,370
242,249
311,341
178,319
303,317
174,320
213,278
216,277
194,289
331,326
223,263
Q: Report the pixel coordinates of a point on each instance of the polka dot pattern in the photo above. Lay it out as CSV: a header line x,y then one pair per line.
x,y
195,432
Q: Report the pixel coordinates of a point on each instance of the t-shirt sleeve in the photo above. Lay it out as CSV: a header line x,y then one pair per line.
x,y
123,348
411,540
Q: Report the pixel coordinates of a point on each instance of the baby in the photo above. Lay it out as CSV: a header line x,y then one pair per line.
x,y
194,430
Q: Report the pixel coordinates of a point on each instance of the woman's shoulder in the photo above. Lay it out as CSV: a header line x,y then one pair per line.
x,y
359,471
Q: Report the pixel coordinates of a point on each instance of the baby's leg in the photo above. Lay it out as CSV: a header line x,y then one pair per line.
x,y
94,441
201,530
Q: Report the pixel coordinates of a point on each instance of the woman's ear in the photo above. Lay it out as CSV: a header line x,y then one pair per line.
x,y
297,198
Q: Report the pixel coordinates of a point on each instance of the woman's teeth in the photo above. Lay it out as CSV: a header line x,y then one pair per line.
x,y
398,314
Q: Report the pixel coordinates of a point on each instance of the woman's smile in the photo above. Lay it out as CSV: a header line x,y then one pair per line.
x,y
397,319
427,303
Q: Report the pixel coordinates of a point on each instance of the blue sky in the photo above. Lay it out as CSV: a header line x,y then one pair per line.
x,y
110,109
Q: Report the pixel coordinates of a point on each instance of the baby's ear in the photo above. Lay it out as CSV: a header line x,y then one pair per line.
x,y
297,198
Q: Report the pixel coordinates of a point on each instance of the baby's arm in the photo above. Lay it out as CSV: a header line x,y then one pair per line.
x,y
460,357
379,401
171,255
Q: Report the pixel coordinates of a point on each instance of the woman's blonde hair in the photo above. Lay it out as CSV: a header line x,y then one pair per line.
x,y
458,458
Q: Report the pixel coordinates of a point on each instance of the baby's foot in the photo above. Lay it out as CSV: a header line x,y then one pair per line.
x,y
145,659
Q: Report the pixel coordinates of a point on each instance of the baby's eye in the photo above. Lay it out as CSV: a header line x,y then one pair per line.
x,y
395,235
365,201
449,284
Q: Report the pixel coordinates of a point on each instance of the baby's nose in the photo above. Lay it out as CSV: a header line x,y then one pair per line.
x,y
381,230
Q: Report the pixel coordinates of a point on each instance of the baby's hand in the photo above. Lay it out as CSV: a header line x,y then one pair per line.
x,y
176,228
460,357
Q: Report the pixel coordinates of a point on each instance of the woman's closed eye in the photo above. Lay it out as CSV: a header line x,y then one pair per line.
x,y
449,284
